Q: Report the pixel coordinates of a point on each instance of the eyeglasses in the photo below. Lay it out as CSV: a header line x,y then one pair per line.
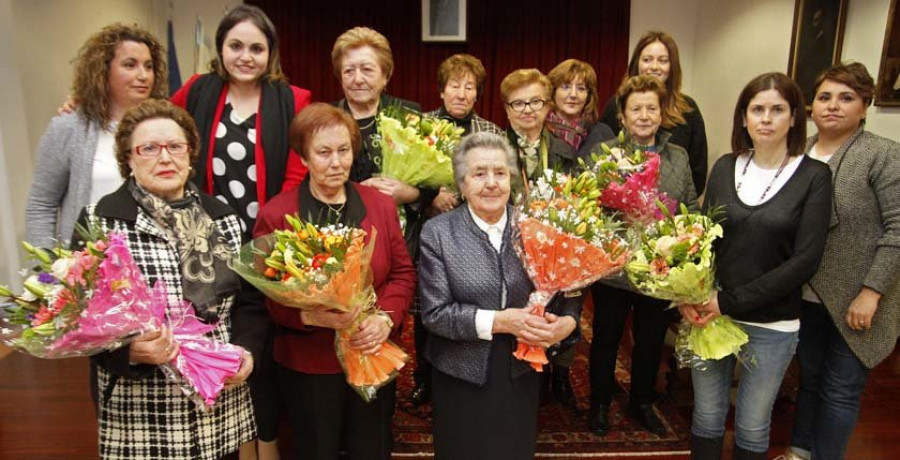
x,y
152,149
519,105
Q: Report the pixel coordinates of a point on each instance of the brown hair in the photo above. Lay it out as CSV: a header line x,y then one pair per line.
x,y
569,70
524,77
91,85
854,75
153,109
359,37
457,66
258,18
796,142
676,105
639,84
316,117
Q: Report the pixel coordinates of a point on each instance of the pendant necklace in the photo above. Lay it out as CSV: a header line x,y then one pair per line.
x,y
784,163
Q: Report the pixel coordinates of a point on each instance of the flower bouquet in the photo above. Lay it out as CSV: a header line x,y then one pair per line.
x,y
629,179
202,364
328,267
80,303
675,262
415,150
566,242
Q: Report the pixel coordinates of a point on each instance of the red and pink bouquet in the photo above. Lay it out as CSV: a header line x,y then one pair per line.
x,y
566,242
79,303
629,180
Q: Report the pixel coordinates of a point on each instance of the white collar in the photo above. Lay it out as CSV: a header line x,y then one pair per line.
x,y
501,224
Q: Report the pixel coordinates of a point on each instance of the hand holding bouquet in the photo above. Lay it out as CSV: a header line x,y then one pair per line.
x,y
566,242
629,179
676,262
320,270
80,303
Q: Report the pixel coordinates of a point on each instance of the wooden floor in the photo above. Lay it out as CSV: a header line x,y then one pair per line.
x,y
46,412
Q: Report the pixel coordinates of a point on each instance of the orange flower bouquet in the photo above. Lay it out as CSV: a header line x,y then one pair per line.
x,y
566,242
328,267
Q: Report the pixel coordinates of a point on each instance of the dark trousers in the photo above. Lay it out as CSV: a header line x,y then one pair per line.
x,y
422,372
495,421
832,379
263,384
326,414
649,322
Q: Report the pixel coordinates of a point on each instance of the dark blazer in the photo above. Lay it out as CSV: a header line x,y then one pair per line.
x,y
461,273
311,349
597,133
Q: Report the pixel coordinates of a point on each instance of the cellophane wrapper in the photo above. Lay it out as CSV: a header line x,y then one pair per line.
x,y
413,157
638,194
675,261
202,364
343,291
82,303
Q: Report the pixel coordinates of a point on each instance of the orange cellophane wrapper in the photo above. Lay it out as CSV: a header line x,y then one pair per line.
x,y
557,261
345,291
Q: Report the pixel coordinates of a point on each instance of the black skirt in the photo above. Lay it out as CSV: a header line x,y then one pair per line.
x,y
496,421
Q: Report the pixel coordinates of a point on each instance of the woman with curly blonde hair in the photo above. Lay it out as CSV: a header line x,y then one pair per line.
x,y
116,69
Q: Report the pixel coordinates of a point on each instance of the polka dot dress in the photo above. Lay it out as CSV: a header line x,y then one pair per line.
x,y
234,166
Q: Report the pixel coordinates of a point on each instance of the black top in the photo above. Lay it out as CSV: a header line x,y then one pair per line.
x,y
768,251
691,136
234,166
351,213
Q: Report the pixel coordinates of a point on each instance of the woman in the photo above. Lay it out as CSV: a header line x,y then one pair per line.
x,y
116,69
243,109
324,411
573,114
851,314
526,94
175,234
776,205
656,54
641,115
485,400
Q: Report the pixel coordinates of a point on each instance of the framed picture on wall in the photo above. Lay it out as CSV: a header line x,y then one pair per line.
x,y
443,20
888,84
815,41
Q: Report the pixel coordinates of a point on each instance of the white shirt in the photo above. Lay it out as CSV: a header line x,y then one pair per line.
x,y
105,176
484,319
754,182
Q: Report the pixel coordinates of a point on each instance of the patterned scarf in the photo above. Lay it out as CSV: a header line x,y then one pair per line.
x,y
532,154
572,133
203,251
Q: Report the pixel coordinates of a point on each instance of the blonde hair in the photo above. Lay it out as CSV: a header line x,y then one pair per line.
x,y
524,77
359,37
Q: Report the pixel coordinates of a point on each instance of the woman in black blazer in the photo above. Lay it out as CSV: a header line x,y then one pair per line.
x,y
474,290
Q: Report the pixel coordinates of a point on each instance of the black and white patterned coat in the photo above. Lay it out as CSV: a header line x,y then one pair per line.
x,y
140,413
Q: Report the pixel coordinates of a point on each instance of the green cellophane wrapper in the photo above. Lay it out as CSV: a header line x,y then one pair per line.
x,y
409,158
343,291
676,262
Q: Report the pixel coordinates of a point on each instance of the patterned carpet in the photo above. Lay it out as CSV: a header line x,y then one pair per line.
x,y
562,434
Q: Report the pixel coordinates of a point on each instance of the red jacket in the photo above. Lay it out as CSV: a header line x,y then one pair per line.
x,y
295,171
311,349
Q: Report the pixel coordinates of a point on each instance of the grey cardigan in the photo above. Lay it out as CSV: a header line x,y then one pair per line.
x,y
62,179
460,273
863,245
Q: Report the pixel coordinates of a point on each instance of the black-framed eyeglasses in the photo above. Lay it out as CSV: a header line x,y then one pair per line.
x,y
519,105
152,149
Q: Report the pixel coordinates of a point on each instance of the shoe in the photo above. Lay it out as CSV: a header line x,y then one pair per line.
x,y
598,419
420,395
646,416
561,387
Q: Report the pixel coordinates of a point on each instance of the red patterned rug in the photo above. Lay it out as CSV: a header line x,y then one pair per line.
x,y
562,434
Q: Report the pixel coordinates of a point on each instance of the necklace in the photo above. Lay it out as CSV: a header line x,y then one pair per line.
x,y
784,163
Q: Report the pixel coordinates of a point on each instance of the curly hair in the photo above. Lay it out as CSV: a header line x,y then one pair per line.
x,y
359,37
567,71
639,84
852,74
457,66
676,105
258,18
521,78
91,86
153,109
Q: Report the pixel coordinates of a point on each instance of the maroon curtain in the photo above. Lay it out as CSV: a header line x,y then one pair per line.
x,y
506,35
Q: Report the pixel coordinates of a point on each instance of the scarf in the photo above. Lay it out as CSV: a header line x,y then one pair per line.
x,y
206,279
572,133
534,155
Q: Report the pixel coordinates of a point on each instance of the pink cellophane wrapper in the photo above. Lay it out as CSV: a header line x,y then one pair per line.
x,y
202,364
637,196
557,261
121,306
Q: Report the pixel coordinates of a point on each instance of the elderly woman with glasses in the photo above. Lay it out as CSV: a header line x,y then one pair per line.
x,y
185,239
474,292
